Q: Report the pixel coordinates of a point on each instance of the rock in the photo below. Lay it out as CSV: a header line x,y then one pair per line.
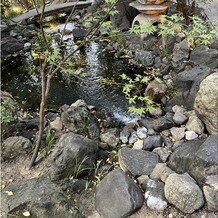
x,y
178,109
133,137
154,195
180,53
138,144
124,18
161,171
202,55
77,186
40,197
162,123
119,192
155,90
79,120
71,155
141,132
14,146
142,179
125,134
146,58
179,118
137,162
56,124
198,158
190,135
178,133
206,102
152,142
195,124
183,192
211,192
79,33
157,112
111,137
10,45
163,153
187,84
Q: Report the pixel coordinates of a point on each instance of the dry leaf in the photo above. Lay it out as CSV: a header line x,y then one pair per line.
x,y
9,193
26,213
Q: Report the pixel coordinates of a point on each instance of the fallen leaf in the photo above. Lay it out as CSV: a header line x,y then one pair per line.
x,y
9,193
26,213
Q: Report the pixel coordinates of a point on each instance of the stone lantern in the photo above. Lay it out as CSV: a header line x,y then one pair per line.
x,y
150,11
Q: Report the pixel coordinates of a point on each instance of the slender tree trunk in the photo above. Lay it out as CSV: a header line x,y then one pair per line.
x,y
41,115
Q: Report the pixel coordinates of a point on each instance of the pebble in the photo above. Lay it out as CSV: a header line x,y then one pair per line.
x,y
141,132
177,133
138,144
190,135
133,138
179,118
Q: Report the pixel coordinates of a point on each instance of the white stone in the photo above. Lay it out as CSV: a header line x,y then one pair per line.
x,y
138,144
141,132
190,135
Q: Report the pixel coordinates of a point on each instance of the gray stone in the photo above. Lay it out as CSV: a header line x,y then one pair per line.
x,y
163,153
155,90
111,137
180,53
10,45
133,137
69,153
14,146
161,172
146,58
154,195
138,144
211,192
137,162
178,133
125,134
117,195
152,142
56,124
40,197
179,118
178,109
195,124
190,135
79,120
141,132
183,192
162,123
187,84
202,55
197,157
206,102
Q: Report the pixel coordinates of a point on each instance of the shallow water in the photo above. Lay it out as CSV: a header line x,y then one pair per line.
x,y
96,89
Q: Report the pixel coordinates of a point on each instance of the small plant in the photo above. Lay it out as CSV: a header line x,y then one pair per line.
x,y
113,159
8,110
133,89
49,142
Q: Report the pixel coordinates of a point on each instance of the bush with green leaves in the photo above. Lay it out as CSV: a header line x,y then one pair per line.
x,y
199,32
8,110
133,90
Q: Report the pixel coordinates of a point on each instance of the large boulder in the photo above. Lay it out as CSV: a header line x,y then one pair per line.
x,y
202,55
187,83
198,158
72,154
14,146
206,102
211,192
39,197
124,18
117,195
10,45
78,119
183,192
137,162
